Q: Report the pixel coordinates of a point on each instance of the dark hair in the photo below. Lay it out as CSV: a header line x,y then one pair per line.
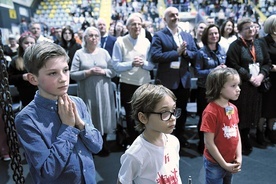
x,y
37,55
216,80
63,41
205,33
222,27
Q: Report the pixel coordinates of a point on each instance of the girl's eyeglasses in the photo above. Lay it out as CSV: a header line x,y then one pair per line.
x,y
165,116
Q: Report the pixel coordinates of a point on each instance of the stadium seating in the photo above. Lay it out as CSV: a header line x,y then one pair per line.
x,y
58,13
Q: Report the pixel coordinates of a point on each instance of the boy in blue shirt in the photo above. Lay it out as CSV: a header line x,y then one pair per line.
x,y
55,130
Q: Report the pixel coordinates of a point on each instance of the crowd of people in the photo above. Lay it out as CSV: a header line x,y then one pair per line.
x,y
229,58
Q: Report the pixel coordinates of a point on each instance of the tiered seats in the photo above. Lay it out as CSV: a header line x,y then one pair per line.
x,y
105,11
96,7
267,7
54,12
161,8
58,13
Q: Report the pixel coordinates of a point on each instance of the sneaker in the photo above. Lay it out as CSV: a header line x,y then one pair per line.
x,y
6,158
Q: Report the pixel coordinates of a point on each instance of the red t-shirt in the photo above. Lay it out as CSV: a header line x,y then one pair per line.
x,y
225,127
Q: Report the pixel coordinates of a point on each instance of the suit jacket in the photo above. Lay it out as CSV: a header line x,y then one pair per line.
x,y
109,43
164,51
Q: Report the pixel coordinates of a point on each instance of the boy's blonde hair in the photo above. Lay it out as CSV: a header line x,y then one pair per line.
x,y
145,99
36,56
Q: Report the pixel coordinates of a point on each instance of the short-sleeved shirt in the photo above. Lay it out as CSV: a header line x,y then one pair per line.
x,y
225,127
146,163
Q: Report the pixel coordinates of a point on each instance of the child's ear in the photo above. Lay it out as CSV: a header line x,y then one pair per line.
x,y
142,118
32,79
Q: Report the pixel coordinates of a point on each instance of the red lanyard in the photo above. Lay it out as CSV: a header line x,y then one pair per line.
x,y
251,50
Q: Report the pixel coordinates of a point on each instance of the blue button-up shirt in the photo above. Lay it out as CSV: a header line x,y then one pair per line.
x,y
55,152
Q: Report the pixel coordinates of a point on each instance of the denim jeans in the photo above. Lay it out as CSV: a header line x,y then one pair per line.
x,y
215,174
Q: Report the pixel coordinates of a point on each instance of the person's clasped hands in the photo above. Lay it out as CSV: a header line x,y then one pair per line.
x,y
233,167
68,112
97,71
138,61
257,80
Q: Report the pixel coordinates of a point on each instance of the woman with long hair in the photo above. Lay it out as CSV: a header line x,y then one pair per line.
x,y
68,42
228,34
209,57
18,73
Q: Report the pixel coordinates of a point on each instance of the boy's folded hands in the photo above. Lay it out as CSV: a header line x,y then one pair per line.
x,y
66,110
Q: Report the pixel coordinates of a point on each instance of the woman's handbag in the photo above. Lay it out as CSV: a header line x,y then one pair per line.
x,y
265,85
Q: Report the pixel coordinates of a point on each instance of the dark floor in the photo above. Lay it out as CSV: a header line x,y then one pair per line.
x,y
258,168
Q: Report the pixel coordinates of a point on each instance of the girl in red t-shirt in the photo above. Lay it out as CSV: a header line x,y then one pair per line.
x,y
222,153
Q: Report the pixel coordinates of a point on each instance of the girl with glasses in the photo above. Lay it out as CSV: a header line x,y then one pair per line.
x,y
153,157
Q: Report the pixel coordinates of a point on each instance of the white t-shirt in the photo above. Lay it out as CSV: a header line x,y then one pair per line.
x,y
146,163
225,42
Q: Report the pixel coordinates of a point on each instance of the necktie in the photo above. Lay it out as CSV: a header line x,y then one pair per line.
x,y
103,40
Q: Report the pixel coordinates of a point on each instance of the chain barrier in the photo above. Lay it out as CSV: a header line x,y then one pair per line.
x,y
8,117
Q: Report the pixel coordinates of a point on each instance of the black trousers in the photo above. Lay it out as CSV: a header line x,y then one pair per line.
x,y
127,91
182,95
201,105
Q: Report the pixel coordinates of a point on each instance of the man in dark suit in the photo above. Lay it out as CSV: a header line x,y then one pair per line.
x,y
174,50
107,41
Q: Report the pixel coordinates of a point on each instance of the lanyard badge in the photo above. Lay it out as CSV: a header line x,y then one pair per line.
x,y
229,111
